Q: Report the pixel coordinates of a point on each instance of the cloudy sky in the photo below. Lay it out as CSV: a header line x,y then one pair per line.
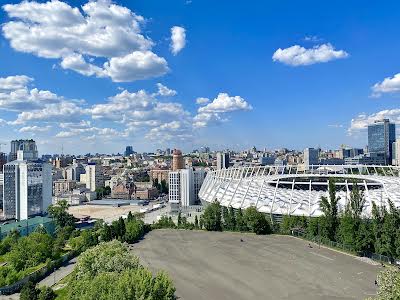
x,y
99,75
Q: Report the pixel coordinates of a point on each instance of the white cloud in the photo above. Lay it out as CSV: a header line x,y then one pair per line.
x,y
202,100
388,85
312,38
99,31
225,103
300,56
361,122
34,129
15,95
135,66
335,125
178,39
217,110
165,91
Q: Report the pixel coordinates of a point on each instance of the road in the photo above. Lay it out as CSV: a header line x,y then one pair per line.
x,y
58,274
213,265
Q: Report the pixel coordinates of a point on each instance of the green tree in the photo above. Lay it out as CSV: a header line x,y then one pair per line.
x,y
256,221
105,233
196,222
329,207
240,221
179,219
59,212
134,231
212,218
29,292
46,293
388,284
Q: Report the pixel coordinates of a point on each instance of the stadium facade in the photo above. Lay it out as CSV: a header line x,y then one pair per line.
x,y
295,190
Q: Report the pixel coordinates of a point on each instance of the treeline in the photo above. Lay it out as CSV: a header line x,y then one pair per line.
x,y
379,234
218,218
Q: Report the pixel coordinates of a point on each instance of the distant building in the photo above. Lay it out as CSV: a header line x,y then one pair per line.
x,y
3,161
222,160
74,172
177,160
367,159
63,186
381,135
267,160
27,187
123,190
94,176
128,150
160,175
27,146
184,187
396,153
311,157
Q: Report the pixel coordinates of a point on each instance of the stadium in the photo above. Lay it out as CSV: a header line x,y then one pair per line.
x,y
296,190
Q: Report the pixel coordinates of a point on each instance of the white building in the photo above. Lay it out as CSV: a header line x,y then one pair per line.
x,y
222,160
27,189
184,187
396,153
74,172
311,157
94,177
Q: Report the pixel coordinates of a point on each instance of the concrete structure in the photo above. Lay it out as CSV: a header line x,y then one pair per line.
x,y
94,176
177,160
74,172
27,189
376,158
396,153
311,157
184,186
63,186
222,160
27,146
381,135
294,190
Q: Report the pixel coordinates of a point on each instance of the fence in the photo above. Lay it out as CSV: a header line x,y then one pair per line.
x,y
36,275
344,247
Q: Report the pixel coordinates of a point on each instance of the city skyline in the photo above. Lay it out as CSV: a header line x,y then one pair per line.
x,y
157,75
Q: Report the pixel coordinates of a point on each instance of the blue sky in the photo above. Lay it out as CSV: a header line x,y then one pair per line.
x,y
335,73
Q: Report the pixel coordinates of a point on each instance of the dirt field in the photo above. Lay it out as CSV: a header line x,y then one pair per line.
x,y
213,265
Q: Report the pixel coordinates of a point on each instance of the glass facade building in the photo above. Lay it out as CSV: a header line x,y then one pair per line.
x,y
381,135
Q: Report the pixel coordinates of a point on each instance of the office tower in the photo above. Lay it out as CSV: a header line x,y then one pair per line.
x,y
184,186
94,176
3,161
177,160
381,135
74,172
222,160
128,151
27,146
311,157
27,187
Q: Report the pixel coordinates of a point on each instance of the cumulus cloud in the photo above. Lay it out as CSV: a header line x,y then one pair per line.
x,y
388,85
99,31
165,91
202,100
361,122
16,95
178,39
300,56
216,111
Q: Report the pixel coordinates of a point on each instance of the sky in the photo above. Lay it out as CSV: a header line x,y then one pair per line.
x,y
95,76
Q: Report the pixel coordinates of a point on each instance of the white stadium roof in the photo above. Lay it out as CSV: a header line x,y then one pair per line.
x,y
295,190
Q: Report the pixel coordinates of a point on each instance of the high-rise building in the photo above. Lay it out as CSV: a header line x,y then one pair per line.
x,y
177,160
27,188
74,172
3,161
381,135
222,160
128,151
94,176
27,146
311,157
184,187
396,153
